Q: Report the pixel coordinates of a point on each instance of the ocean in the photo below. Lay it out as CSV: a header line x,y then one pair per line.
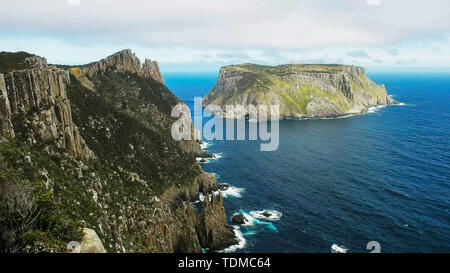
x,y
383,176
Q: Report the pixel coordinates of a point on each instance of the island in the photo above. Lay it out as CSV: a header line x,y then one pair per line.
x,y
302,91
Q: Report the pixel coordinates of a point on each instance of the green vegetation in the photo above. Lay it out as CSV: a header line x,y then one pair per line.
x,y
13,61
33,218
46,196
126,121
289,68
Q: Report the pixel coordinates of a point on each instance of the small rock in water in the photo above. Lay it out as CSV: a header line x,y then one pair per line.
x,y
223,187
238,219
266,214
206,155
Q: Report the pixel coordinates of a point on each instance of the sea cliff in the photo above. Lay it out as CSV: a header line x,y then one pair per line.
x,y
86,155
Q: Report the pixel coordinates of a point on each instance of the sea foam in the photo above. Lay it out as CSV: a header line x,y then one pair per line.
x,y
230,192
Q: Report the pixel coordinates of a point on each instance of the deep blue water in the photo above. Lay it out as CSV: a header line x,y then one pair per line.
x,y
382,176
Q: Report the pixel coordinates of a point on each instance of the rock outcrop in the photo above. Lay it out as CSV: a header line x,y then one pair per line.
x,y
213,231
207,183
122,61
301,91
91,242
151,69
179,228
238,219
34,104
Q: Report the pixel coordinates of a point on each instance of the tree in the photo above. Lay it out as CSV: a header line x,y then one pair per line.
x,y
18,211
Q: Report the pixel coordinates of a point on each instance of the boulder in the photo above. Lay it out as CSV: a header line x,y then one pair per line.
x,y
91,242
238,219
266,214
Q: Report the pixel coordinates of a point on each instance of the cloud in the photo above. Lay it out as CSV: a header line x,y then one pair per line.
x,y
358,54
394,52
228,24
373,2
73,2
231,31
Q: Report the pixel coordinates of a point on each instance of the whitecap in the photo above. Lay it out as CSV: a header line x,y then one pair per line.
x,y
216,156
230,192
253,219
338,249
375,108
200,159
204,145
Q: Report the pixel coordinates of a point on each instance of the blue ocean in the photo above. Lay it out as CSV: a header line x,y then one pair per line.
x,y
383,176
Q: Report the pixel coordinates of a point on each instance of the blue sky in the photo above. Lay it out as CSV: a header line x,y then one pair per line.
x,y
202,35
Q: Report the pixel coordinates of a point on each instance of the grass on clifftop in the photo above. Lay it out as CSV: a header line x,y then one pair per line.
x,y
13,61
288,68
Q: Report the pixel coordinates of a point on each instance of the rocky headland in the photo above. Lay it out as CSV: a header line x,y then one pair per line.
x,y
300,91
86,155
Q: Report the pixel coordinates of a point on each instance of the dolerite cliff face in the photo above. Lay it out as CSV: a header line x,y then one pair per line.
x,y
213,230
123,61
301,91
86,155
34,103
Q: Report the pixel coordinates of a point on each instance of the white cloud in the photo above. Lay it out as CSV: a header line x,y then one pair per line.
x,y
279,24
266,31
373,2
73,2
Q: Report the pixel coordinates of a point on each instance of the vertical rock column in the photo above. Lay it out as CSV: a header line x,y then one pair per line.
x,y
213,230
6,128
38,95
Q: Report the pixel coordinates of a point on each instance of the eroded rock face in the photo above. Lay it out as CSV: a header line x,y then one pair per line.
x,y
213,231
122,61
34,105
151,69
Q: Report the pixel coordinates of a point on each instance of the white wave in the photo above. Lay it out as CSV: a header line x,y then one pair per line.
x,y
375,108
201,198
204,145
338,249
199,160
249,220
405,104
216,156
207,160
230,192
254,218
241,241
259,214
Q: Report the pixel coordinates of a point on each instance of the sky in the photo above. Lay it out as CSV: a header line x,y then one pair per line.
x,y
202,35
